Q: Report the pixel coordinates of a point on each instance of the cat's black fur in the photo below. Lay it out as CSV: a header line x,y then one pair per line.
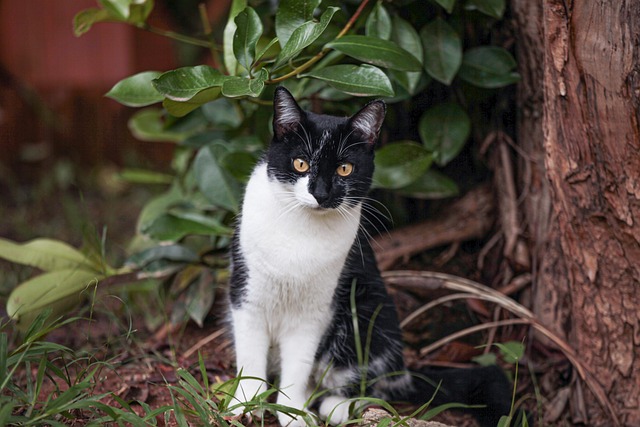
x,y
325,141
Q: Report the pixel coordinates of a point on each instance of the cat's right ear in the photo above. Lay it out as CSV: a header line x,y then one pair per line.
x,y
287,114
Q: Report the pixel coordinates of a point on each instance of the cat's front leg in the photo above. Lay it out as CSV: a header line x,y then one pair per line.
x,y
252,348
297,355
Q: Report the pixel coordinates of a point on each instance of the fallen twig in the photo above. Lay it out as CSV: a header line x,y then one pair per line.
x,y
468,218
433,280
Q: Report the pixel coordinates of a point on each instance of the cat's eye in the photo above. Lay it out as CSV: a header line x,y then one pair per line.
x,y
300,165
345,169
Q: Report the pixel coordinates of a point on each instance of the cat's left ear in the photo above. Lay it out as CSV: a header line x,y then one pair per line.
x,y
368,121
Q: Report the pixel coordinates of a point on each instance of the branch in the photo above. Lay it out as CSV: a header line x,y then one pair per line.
x,y
305,66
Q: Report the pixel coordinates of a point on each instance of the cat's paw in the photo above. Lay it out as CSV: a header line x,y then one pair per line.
x,y
334,410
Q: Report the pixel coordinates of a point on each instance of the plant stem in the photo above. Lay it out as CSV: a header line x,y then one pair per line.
x,y
206,25
324,51
176,36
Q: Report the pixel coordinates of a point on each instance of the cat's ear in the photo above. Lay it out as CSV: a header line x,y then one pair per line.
x,y
368,121
287,114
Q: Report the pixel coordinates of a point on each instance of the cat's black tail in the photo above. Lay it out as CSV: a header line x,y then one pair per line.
x,y
487,386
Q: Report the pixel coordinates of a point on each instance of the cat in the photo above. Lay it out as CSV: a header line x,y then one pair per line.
x,y
300,255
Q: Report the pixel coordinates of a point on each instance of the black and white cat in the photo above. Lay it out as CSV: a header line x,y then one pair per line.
x,y
299,252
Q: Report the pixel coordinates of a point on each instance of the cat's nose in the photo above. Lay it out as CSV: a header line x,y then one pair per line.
x,y
320,192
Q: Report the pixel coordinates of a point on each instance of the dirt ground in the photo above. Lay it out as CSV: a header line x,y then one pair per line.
x,y
142,350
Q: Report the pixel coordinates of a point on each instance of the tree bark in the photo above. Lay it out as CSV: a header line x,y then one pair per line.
x,y
579,105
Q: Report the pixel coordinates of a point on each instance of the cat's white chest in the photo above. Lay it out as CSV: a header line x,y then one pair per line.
x,y
292,254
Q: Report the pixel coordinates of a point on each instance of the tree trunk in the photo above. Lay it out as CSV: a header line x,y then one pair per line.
x,y
579,116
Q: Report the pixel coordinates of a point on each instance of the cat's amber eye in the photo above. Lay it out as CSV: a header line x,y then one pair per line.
x,y
345,169
300,165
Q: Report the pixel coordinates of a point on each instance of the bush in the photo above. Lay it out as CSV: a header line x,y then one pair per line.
x,y
416,55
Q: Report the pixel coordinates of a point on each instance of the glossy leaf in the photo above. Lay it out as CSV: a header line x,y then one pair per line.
x,y
175,226
303,36
488,67
363,80
217,186
183,84
133,12
399,164
117,8
493,8
159,205
378,23
45,254
383,53
60,289
242,86
248,32
200,296
239,164
175,253
431,185
229,58
442,50
148,125
444,129
84,20
447,4
222,113
136,90
181,109
407,38
292,14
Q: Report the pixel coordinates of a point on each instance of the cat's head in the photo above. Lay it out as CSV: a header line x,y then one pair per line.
x,y
324,161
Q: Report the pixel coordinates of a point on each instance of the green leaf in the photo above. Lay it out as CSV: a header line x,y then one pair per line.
x,y
364,80
175,226
511,351
148,125
248,32
84,20
303,36
292,14
431,185
142,176
239,164
405,35
229,58
159,205
486,359
45,254
214,182
131,11
378,23
242,86
488,67
175,253
447,4
60,289
183,84
200,297
493,8
383,53
444,129
442,50
399,164
136,90
181,109
117,8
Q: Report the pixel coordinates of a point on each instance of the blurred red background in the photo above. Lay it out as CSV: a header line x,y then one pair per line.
x,y
52,84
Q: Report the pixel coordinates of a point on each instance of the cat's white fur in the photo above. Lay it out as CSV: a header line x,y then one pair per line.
x,y
294,252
